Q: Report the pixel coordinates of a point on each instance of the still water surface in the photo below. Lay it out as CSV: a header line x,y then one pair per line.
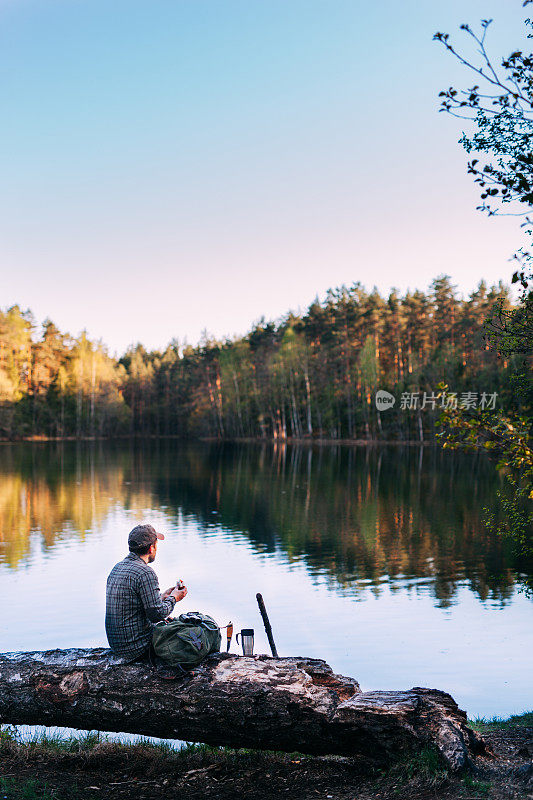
x,y
375,559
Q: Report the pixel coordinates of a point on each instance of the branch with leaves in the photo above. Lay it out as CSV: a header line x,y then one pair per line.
x,y
509,439
502,109
502,112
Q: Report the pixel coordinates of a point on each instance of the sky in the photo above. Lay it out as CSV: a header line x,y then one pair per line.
x,y
169,167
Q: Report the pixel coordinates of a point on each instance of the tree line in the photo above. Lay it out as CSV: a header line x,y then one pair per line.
x,y
308,375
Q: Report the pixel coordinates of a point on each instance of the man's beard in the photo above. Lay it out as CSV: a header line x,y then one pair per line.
x,y
151,558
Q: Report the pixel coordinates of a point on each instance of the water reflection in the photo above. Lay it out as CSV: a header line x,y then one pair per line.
x,y
61,492
357,516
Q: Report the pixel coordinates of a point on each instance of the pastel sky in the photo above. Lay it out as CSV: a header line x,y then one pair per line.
x,y
170,166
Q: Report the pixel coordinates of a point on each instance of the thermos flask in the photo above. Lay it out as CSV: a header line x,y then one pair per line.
x,y
247,641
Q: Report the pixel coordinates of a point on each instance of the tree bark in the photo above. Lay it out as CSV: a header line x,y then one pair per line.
x,y
290,704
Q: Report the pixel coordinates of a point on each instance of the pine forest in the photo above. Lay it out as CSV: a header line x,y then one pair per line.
x,y
312,375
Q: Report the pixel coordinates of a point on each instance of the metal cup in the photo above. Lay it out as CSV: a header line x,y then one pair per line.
x,y
247,641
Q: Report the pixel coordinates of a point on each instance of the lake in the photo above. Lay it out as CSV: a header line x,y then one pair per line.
x,y
375,559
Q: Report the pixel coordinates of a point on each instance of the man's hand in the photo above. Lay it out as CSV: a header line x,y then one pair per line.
x,y
178,591
179,594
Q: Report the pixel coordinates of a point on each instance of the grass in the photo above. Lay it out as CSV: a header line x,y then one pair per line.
x,y
93,747
55,766
14,789
92,752
481,724
83,742
27,790
425,767
482,788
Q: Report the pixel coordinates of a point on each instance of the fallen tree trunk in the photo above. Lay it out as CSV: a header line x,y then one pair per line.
x,y
290,704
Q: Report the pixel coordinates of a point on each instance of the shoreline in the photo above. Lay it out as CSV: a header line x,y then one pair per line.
x,y
90,766
307,442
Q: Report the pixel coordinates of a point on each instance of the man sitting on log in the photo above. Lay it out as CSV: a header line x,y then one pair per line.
x,y
133,600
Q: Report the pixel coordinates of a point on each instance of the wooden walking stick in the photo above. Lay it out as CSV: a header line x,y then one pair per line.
x,y
266,623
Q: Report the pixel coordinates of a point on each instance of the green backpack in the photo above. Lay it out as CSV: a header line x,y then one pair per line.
x,y
187,640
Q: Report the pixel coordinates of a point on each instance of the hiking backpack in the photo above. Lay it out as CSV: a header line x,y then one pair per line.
x,y
187,640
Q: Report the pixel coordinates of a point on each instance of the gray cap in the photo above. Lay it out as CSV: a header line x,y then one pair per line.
x,y
143,536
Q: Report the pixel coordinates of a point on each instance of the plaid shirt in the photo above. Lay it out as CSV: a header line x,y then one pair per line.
x,y
133,605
